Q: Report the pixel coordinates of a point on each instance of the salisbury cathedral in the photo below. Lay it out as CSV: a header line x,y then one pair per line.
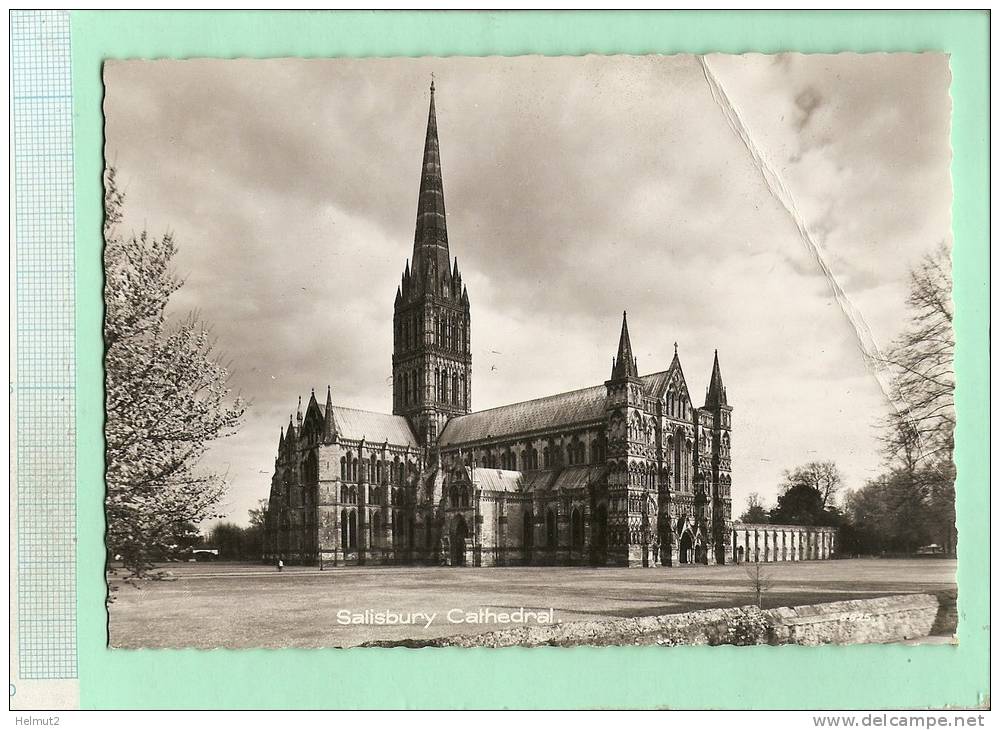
x,y
628,472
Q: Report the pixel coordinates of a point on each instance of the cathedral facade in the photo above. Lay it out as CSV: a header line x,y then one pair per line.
x,y
628,472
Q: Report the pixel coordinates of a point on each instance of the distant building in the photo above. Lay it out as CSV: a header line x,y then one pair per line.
x,y
627,473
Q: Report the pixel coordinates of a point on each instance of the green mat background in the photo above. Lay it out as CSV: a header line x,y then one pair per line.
x,y
682,677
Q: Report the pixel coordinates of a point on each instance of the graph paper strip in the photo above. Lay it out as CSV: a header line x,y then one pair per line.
x,y
45,385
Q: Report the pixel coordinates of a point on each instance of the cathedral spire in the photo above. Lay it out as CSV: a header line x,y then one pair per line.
x,y
716,390
624,366
430,241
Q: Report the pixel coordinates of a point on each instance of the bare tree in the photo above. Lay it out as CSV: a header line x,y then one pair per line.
x,y
756,512
823,476
166,398
921,425
759,579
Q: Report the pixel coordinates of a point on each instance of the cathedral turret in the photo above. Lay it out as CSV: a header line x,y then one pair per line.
x,y
716,395
432,357
625,365
329,427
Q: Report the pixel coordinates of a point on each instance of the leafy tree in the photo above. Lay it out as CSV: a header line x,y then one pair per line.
x,y
166,398
229,539
823,476
253,536
802,504
756,512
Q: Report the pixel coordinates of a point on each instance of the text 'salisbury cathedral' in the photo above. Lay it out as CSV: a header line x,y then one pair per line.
x,y
626,473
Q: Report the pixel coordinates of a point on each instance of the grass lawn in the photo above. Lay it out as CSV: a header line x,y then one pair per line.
x,y
239,605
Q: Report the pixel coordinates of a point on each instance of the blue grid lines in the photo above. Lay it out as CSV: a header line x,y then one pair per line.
x,y
45,350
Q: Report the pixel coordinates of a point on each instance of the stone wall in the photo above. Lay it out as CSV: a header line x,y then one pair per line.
x,y
868,621
874,620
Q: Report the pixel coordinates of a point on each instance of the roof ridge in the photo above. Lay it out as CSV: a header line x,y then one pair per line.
x,y
550,396
363,410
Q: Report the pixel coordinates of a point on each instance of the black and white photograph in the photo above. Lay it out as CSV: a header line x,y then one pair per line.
x,y
535,351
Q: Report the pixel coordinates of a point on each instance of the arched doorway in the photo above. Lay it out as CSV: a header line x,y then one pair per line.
x,y
458,544
687,548
700,552
529,535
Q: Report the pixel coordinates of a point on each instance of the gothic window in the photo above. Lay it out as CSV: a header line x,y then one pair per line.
x,y
344,530
372,469
678,446
454,389
352,530
406,335
546,458
550,528
343,468
465,496
598,450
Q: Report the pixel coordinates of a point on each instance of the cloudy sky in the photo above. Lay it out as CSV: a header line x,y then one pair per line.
x,y
575,188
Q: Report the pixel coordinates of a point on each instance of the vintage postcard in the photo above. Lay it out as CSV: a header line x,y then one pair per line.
x,y
370,360
529,351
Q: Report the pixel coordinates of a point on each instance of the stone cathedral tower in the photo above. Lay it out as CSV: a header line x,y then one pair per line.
x,y
431,356
632,502
718,406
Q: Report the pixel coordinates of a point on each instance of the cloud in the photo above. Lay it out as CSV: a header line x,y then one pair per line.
x,y
575,188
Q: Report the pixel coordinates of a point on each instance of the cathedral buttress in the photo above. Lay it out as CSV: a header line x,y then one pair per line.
x,y
431,356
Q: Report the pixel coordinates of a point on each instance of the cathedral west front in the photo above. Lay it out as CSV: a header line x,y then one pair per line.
x,y
628,472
